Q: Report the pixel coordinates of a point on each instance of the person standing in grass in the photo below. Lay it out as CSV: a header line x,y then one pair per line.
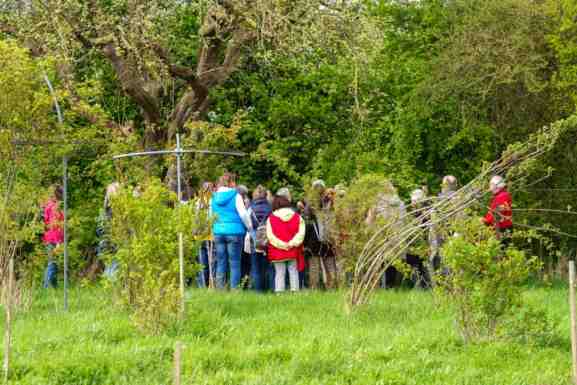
x,y
53,236
500,214
285,233
205,253
232,221
438,232
260,268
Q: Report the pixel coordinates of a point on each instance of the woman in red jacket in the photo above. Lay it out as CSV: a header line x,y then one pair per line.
x,y
285,232
500,214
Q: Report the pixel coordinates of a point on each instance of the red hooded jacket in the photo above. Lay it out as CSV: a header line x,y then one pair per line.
x,y
500,213
285,232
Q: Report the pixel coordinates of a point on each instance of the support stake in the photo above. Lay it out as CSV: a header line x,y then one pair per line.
x,y
573,318
65,226
8,326
177,362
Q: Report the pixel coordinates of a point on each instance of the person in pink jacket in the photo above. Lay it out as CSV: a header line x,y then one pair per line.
x,y
54,234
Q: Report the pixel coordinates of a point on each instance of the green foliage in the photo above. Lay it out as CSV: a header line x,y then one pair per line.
x,y
145,227
350,222
482,282
564,40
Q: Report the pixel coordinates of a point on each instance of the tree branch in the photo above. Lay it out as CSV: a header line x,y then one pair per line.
x,y
132,85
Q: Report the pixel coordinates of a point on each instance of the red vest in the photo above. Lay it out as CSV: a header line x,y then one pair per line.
x,y
500,212
285,231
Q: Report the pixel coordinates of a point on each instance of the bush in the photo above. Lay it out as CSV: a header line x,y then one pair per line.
x,y
145,229
481,281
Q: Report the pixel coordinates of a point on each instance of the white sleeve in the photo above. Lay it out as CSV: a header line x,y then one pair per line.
x,y
243,212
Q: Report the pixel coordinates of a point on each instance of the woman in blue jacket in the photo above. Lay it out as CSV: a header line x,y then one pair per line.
x,y
232,221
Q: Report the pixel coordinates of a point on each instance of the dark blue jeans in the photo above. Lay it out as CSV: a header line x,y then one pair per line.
x,y
203,276
51,273
228,251
261,272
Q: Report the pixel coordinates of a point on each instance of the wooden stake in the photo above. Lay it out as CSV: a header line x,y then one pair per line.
x,y
177,362
8,330
181,273
573,318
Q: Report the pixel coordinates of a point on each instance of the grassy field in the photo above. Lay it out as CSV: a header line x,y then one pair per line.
x,y
244,338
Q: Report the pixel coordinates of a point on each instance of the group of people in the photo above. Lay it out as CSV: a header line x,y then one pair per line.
x,y
265,232
267,241
259,240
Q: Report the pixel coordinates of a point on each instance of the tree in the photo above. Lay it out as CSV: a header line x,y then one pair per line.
x,y
148,44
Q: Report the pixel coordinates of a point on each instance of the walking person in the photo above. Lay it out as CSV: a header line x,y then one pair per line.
x,y
53,236
286,233
261,271
232,221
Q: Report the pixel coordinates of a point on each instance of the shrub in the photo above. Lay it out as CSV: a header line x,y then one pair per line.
x,y
355,219
145,229
482,281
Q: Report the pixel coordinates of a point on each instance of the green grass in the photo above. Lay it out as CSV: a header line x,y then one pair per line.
x,y
306,338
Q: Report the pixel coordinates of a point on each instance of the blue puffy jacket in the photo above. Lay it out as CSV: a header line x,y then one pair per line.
x,y
228,221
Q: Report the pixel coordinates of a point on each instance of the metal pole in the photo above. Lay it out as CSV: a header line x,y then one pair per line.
x,y
180,235
65,198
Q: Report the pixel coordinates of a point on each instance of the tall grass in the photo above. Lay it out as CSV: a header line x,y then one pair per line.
x,y
305,338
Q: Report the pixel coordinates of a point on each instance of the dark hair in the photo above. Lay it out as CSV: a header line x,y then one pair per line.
x,y
280,203
58,192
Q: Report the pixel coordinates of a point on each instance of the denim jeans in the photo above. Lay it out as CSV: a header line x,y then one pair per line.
x,y
111,269
261,272
228,253
51,273
203,276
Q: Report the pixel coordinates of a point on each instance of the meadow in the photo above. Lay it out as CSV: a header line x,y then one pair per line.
x,y
402,338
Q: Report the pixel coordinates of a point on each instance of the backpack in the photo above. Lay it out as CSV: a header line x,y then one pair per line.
x,y
260,238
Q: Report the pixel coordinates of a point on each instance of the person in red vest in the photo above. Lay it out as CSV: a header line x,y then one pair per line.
x,y
285,232
500,214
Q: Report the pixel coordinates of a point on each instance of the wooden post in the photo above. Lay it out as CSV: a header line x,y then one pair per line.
x,y
573,318
8,326
177,362
181,273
